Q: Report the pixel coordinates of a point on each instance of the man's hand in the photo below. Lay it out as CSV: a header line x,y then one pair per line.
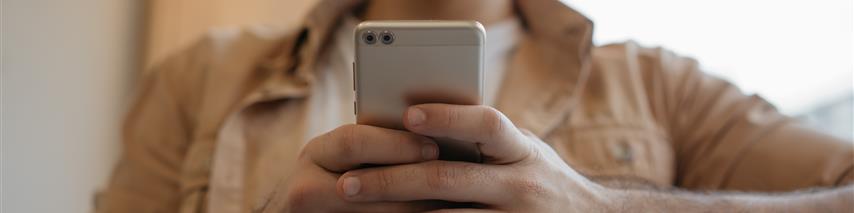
x,y
523,174
323,159
520,172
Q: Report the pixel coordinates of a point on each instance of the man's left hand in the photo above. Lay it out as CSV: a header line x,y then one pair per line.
x,y
520,171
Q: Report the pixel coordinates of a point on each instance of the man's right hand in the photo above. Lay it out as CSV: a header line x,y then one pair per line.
x,y
312,186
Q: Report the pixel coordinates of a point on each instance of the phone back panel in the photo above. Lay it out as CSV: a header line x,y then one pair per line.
x,y
427,62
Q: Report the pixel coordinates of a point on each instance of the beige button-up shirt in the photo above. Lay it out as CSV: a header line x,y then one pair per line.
x,y
219,124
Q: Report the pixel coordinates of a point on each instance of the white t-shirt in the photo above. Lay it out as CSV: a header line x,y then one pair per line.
x,y
332,95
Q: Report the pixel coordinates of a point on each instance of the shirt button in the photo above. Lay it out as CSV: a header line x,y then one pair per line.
x,y
622,152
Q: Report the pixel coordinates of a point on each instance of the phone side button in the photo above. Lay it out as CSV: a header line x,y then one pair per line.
x,y
354,108
354,75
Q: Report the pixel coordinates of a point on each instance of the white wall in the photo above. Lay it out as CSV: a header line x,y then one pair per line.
x,y
67,67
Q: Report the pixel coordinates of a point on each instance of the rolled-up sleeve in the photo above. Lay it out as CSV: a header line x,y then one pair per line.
x,y
155,137
724,139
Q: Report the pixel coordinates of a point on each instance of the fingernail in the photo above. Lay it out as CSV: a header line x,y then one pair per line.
x,y
428,151
416,116
352,186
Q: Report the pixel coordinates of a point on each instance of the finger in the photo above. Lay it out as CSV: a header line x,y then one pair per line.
x,y
408,206
463,211
499,140
350,146
316,193
440,180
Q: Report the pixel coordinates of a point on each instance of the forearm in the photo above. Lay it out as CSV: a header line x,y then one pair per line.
x,y
826,200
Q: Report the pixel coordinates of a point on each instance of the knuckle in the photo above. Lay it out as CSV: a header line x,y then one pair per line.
x,y
440,177
452,116
492,121
349,143
474,174
443,176
527,189
399,144
384,180
312,146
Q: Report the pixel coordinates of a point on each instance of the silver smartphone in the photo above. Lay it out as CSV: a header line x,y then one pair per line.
x,y
403,63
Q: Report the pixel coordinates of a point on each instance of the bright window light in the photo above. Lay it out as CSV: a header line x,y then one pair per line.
x,y
795,54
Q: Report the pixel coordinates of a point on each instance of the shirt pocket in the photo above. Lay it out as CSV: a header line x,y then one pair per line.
x,y
617,151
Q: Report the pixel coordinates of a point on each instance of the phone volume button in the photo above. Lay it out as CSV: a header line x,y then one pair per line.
x,y
354,75
354,108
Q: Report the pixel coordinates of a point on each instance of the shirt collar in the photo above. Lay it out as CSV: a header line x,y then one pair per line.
x,y
549,21
555,54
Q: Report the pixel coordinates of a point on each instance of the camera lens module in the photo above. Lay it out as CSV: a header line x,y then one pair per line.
x,y
387,37
369,37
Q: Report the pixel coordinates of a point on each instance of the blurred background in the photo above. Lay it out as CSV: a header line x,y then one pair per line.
x,y
69,66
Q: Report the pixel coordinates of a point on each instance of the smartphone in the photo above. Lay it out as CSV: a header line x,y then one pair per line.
x,y
403,63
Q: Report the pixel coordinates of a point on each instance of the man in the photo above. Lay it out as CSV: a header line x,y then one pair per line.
x,y
247,121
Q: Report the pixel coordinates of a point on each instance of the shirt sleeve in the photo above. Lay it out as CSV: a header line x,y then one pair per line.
x,y
726,140
156,135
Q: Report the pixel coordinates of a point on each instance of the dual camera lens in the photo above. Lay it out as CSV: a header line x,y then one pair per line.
x,y
385,37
